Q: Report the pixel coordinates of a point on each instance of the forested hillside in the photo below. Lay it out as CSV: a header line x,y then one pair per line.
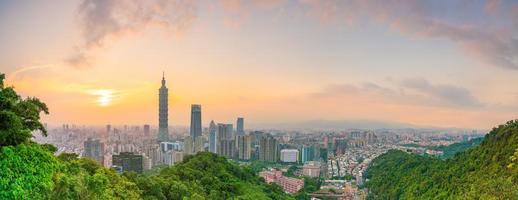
x,y
31,171
450,150
487,171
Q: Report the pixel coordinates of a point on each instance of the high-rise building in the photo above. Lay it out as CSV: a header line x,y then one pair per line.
x,y
240,126
108,128
171,146
198,145
225,132
94,149
163,123
227,148
213,139
146,129
289,155
308,154
244,143
188,145
269,149
147,162
226,143
128,161
340,146
195,121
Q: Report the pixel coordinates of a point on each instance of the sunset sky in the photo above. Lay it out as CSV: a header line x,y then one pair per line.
x,y
433,63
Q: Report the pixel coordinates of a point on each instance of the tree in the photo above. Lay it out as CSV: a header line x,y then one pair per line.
x,y
485,171
18,117
26,172
67,157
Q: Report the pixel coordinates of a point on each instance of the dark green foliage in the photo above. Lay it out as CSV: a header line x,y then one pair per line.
x,y
86,179
481,172
49,147
258,165
211,177
67,157
310,185
18,117
26,172
450,150
291,171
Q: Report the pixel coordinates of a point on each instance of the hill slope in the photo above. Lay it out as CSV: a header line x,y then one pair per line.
x,y
450,150
482,172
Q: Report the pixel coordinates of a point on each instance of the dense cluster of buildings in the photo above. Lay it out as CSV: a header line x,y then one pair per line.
x,y
325,154
165,149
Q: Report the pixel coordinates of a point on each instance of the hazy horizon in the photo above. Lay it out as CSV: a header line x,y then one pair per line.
x,y
430,64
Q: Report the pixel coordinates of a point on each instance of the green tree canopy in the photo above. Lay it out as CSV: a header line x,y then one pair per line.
x,y
18,117
482,172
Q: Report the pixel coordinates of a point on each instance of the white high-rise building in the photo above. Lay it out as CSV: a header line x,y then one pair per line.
x,y
289,155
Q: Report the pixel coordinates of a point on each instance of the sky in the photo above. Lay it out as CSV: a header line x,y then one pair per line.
x,y
430,63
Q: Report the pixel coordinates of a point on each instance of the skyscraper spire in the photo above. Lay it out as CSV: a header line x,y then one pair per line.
x,y
163,124
163,78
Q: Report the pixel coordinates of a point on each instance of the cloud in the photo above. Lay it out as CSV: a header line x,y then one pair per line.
x,y
489,37
407,92
237,12
101,20
485,31
78,59
449,94
20,71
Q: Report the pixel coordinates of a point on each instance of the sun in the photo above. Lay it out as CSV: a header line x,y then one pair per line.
x,y
104,97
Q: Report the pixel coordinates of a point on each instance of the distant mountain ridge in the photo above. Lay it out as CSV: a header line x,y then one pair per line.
x,y
482,172
347,124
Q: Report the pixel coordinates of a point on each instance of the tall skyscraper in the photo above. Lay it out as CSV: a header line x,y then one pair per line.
x,y
163,124
195,121
108,128
269,150
244,149
240,126
213,138
94,149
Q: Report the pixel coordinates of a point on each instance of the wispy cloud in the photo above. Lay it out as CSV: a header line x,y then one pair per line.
x,y
408,91
489,37
484,31
449,94
14,75
101,20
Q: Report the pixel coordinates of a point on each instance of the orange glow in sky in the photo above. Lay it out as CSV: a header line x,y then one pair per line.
x,y
270,61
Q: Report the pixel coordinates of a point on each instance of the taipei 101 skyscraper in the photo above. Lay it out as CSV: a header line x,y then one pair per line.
x,y
163,127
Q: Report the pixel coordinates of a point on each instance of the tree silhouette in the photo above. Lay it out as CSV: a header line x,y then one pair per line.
x,y
18,117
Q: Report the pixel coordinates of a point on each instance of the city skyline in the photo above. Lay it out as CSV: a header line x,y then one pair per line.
x,y
269,61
